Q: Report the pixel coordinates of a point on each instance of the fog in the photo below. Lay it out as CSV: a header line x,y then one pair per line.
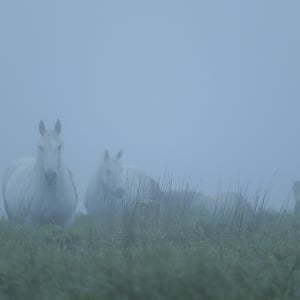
x,y
205,90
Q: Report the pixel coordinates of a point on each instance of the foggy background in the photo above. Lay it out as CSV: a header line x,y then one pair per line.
x,y
206,90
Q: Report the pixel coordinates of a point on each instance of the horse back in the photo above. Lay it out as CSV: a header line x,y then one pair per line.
x,y
140,182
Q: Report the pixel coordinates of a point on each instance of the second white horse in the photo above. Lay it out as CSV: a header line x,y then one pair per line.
x,y
113,181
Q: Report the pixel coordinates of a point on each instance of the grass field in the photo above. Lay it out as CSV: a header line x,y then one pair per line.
x,y
155,252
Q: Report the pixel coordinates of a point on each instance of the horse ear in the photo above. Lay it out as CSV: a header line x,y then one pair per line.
x,y
57,127
119,154
42,127
106,155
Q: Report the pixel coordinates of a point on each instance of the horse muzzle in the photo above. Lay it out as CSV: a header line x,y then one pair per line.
x,y
51,177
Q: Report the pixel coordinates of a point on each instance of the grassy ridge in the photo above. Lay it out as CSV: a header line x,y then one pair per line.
x,y
154,252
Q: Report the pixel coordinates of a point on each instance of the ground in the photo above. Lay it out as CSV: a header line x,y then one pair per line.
x,y
155,252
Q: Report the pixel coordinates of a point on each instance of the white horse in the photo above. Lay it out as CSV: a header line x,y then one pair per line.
x,y
41,190
115,182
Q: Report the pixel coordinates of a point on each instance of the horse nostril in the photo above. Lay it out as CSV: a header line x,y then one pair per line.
x,y
50,177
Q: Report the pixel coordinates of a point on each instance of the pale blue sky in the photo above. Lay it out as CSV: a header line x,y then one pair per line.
x,y
204,89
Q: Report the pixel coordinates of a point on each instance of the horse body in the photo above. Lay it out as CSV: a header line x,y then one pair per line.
x,y
37,195
138,185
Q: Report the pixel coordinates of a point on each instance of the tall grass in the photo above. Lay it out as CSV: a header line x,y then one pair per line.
x,y
167,248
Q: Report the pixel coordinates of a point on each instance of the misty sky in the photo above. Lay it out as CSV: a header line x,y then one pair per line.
x,y
207,90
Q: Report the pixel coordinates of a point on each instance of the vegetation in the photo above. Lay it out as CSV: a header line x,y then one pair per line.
x,y
155,251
